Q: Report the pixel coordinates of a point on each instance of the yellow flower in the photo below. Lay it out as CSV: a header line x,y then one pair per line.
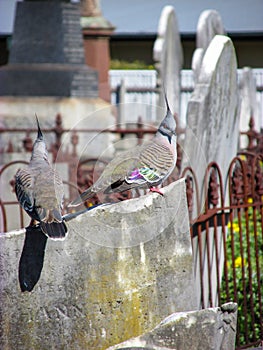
x,y
234,226
238,261
250,200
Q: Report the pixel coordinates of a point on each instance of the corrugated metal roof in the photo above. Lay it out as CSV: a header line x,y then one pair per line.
x,y
136,16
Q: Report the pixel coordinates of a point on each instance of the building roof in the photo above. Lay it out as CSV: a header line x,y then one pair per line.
x,y
142,17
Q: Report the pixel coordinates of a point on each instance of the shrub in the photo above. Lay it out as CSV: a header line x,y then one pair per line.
x,y
121,64
246,243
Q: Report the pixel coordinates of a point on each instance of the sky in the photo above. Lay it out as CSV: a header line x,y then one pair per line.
x,y
237,15
7,10
128,16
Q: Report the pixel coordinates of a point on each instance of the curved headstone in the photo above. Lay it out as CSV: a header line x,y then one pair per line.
x,y
209,24
249,106
212,132
168,57
213,111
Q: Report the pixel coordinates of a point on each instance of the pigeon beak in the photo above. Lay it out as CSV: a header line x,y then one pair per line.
x,y
39,133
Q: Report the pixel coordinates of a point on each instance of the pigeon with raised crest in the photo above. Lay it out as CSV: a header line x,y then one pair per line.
x,y
144,166
39,190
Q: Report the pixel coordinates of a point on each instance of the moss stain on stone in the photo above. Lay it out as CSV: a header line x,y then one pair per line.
x,y
117,302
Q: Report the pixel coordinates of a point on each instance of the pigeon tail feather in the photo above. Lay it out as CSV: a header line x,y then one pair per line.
x,y
54,230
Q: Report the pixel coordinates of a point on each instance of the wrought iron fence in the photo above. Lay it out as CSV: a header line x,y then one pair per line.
x,y
228,242
227,237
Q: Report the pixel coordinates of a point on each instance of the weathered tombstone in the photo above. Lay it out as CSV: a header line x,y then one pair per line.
x,y
249,106
210,329
47,55
121,270
212,131
209,24
168,57
213,111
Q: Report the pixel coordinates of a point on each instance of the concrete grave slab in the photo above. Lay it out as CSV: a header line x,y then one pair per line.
x,y
209,329
122,269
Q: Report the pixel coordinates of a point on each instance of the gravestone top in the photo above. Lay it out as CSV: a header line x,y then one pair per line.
x,y
47,53
47,32
168,57
209,24
249,105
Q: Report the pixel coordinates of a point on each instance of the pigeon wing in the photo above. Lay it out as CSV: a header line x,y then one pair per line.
x,y
156,163
24,183
48,195
113,177
116,171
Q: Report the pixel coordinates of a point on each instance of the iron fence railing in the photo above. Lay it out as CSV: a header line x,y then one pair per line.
x,y
228,241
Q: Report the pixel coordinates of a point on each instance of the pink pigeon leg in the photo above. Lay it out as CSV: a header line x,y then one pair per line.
x,y
156,189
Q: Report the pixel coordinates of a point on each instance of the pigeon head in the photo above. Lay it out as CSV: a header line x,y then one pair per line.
x,y
168,124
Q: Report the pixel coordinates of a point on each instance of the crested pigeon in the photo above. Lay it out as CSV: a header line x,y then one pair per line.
x,y
39,190
144,166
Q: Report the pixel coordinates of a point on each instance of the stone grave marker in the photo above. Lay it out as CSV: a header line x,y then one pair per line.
x,y
209,329
209,24
121,270
213,111
212,131
168,57
249,106
47,54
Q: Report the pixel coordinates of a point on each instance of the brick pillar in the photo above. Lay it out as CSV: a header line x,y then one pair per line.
x,y
96,34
